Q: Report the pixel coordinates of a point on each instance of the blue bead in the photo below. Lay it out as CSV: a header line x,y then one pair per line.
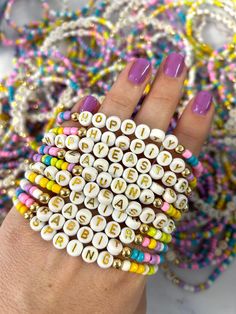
x,y
134,254
140,257
48,160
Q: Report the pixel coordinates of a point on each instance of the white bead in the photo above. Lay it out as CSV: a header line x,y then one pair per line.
x,y
71,227
128,127
170,142
181,185
77,184
122,142
143,165
63,177
116,170
99,120
113,123
177,165
100,150
119,215
47,233
147,216
114,247
85,234
105,260
112,229
91,189
118,185
85,118
91,202
50,172
105,210
76,197
157,135
157,189
120,202
160,221
72,157
129,159
164,158
74,248
144,181
126,265
38,178
100,240
147,197
37,193
89,174
56,203
101,165
170,227
169,178
115,154
151,151
169,196
98,223
90,254
134,209
86,145
108,138
105,197
142,131
84,216
60,140
49,138
86,160
56,221
132,223
43,213
39,167
60,240
69,210
158,235
137,146
36,224
127,235
132,191
130,175
94,134
156,172
72,142
104,179
181,201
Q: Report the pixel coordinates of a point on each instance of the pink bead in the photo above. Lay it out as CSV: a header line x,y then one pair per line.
x,y
187,154
66,131
165,207
53,151
29,202
74,131
145,242
147,257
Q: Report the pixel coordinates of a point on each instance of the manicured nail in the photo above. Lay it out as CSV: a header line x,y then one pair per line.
x,y
90,104
139,71
174,64
202,103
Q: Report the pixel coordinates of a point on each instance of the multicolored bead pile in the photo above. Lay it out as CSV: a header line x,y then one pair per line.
x,y
68,54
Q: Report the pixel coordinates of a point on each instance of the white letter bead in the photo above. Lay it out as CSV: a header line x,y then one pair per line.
x,y
151,151
77,184
143,165
85,235
104,179
169,196
118,186
132,191
72,157
169,178
76,197
60,140
86,145
122,142
119,215
85,118
69,210
74,248
36,224
101,165
100,240
47,233
144,181
130,175
164,158
50,172
177,165
129,159
91,202
181,202
127,235
134,209
105,210
105,260
98,223
90,254
181,185
157,188
105,197
132,223
108,138
94,134
100,150
115,154
86,160
157,135
116,170
158,235
142,131
170,142
56,221
156,172
39,167
170,227
147,216
128,127
43,213
55,204
137,146
114,247
60,240
72,142
147,197
49,139
112,229
99,120
89,174
84,216
91,189
126,265
120,202
71,227
63,177
113,123
160,221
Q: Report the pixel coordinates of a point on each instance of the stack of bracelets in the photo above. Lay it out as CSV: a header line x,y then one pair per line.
x,y
67,54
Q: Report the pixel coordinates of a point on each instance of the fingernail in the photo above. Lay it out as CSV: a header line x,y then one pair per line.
x,y
90,104
174,64
202,103
139,71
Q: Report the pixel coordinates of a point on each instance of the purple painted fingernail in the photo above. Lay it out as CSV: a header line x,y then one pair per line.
x,y
202,103
90,104
174,64
139,71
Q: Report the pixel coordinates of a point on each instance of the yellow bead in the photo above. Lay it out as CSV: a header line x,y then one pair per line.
x,y
50,185
53,161
151,270
23,209
177,215
43,182
64,166
163,237
32,177
141,269
59,164
171,210
152,244
133,267
151,232
60,131
56,188
18,206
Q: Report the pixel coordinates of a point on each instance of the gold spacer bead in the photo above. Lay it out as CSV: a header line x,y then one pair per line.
x,y
186,172
82,132
144,228
158,203
44,198
28,215
34,207
77,170
75,116
188,190
179,149
61,154
126,252
64,192
185,209
117,263
138,239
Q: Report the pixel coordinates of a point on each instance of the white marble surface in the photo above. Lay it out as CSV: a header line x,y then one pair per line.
x,y
163,297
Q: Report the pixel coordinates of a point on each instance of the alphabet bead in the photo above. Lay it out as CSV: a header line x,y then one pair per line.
x,y
77,184
169,178
85,118
129,159
89,174
104,179
151,151
100,240
119,215
157,135
60,240
112,229
90,254
164,158
69,210
137,146
94,134
108,138
72,142
170,142
144,181
118,185
115,154
99,120
105,260
86,160
114,247
74,248
169,196
128,127
177,165
101,165
116,170
120,202
181,201
143,165
147,197
44,213
85,234
122,142
170,227
147,216
55,204
39,167
98,223
142,131
105,197
76,197
181,185
63,177
156,172
132,223
72,157
100,150
91,189
56,221
36,224
60,140
49,139
71,226
91,202
157,189
130,175
127,235
113,123
50,172
134,209
86,145
105,210
84,216
47,233
132,191
160,221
